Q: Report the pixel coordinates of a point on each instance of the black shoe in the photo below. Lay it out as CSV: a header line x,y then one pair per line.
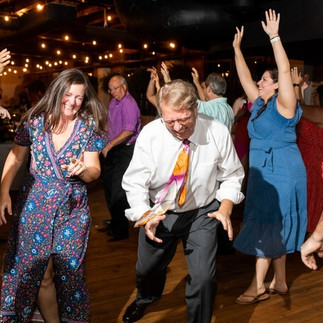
x,y
107,222
133,313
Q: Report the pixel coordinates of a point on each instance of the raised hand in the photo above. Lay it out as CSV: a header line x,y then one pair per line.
x,y
153,73
4,113
4,59
296,77
271,26
238,37
165,72
195,75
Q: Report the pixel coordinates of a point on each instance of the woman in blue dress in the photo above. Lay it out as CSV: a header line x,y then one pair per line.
x,y
44,263
274,222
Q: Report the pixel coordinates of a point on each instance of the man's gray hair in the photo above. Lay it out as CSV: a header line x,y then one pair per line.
x,y
178,94
217,83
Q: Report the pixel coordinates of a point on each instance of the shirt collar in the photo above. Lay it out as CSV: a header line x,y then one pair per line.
x,y
199,136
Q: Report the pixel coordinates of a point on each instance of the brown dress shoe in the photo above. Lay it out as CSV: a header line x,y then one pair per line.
x,y
133,313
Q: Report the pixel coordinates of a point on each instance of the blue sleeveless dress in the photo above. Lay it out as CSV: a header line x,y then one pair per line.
x,y
275,216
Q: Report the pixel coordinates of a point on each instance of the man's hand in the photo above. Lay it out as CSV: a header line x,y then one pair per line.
x,y
106,149
225,220
151,226
195,76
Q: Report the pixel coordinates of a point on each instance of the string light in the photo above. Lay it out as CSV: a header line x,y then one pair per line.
x,y
40,7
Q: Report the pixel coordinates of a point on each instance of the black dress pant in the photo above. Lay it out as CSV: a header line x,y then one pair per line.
x,y
113,169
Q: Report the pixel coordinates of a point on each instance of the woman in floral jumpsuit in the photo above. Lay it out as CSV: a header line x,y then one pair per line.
x,y
51,220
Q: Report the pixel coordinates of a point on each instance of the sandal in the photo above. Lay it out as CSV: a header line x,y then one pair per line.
x,y
248,299
274,291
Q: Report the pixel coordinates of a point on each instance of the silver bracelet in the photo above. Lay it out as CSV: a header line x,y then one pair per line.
x,y
275,39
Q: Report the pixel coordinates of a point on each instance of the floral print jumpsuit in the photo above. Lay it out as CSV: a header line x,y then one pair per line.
x,y
51,219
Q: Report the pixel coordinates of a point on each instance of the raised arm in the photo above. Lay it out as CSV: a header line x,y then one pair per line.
x,y
153,85
237,104
196,81
249,87
286,100
165,72
297,80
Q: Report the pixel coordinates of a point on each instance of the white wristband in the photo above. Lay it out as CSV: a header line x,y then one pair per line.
x,y
275,39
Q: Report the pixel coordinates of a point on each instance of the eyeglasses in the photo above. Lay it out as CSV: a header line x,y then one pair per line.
x,y
114,88
182,121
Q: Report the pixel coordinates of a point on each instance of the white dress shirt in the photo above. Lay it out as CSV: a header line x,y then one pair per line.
x,y
215,171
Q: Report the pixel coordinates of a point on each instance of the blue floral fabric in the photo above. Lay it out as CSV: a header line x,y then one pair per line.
x,y
51,219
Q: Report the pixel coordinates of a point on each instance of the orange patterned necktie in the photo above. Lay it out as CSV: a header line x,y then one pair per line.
x,y
179,174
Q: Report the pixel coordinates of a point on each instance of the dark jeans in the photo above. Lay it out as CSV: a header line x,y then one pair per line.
x,y
113,169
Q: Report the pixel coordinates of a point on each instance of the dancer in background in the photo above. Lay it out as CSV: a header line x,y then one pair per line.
x,y
274,222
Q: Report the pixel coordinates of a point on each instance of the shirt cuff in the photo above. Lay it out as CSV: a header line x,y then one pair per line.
x,y
135,213
235,197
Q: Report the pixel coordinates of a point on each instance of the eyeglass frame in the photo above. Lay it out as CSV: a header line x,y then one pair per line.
x,y
181,121
114,88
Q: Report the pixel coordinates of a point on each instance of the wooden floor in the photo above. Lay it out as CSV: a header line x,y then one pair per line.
x,y
110,268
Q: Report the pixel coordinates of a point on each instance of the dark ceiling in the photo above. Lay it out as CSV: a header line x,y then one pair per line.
x,y
205,26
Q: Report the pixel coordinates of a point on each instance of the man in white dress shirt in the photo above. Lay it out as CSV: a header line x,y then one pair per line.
x,y
213,161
